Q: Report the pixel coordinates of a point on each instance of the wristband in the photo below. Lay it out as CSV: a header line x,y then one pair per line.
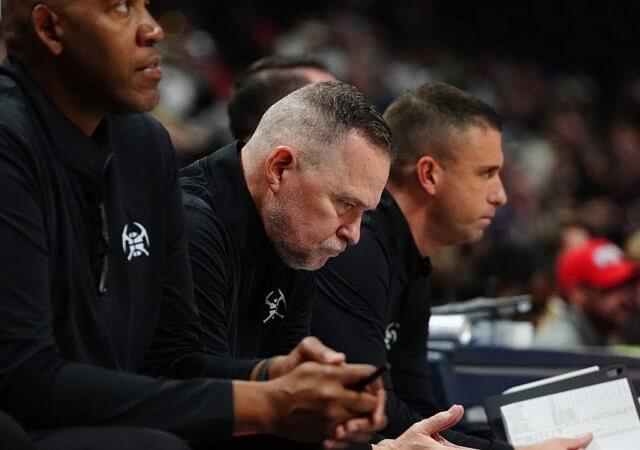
x,y
263,372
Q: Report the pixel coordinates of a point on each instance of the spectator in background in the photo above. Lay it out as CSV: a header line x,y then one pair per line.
x,y
596,284
265,82
509,268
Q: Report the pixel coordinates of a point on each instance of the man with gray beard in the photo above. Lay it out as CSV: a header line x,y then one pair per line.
x,y
262,216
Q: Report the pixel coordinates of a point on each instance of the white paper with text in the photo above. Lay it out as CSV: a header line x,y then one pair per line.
x,y
606,409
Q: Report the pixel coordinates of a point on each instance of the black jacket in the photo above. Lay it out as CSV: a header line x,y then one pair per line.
x,y
252,305
94,276
372,303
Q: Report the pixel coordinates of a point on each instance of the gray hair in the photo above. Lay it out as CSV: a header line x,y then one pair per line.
x,y
315,118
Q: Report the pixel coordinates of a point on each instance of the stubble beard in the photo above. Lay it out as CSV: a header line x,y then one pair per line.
x,y
277,224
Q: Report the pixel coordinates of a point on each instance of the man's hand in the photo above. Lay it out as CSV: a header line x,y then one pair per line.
x,y
313,400
579,443
424,435
309,349
360,429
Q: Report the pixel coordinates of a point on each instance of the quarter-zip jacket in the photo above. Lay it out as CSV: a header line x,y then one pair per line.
x,y
252,304
96,299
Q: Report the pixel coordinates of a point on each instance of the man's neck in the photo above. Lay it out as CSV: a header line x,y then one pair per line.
x,y
415,213
253,182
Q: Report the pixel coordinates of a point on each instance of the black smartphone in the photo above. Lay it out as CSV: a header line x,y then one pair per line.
x,y
366,381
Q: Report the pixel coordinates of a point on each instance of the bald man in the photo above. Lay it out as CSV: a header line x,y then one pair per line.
x,y
99,332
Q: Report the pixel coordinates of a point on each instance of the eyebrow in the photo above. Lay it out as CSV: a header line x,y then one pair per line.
x,y
357,202
488,168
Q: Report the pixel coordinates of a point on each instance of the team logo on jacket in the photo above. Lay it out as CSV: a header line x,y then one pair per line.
x,y
135,241
277,305
391,334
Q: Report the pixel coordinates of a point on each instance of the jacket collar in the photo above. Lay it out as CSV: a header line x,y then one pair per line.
x,y
398,235
86,155
226,181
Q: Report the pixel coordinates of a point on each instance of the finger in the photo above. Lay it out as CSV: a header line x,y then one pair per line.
x,y
358,430
331,444
579,442
379,418
439,439
375,386
340,432
350,374
311,349
358,404
440,421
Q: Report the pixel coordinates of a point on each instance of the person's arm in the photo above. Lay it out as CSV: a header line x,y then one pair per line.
x,y
191,339
38,385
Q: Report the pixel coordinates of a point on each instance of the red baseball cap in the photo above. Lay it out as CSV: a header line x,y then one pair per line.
x,y
598,263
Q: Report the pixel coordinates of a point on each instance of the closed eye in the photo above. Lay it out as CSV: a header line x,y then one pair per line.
x,y
490,172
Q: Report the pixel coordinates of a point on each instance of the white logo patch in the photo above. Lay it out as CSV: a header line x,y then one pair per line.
x,y
607,255
277,305
391,334
135,241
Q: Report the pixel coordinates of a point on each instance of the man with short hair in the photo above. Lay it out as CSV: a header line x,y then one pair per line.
x,y
265,82
99,333
262,216
596,283
372,302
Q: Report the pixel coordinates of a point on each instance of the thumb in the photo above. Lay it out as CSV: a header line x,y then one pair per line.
x,y
311,349
579,442
439,422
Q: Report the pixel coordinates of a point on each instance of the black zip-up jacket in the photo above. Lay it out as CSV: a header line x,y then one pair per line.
x,y
372,303
94,276
252,305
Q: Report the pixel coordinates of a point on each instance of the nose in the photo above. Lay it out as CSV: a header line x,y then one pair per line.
x,y
498,196
149,32
350,231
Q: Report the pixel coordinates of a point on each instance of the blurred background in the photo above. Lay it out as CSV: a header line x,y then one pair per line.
x,y
564,75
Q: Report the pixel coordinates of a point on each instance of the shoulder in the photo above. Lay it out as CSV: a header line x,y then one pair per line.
x,y
17,118
207,231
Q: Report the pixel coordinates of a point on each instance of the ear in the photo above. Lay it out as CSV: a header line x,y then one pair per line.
x,y
47,26
429,175
281,159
